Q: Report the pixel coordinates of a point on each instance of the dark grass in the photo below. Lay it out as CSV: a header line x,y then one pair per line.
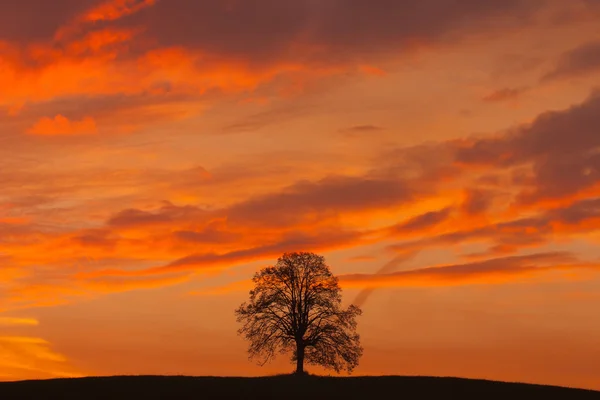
x,y
283,387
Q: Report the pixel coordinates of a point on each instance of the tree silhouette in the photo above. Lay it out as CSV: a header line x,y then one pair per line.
x,y
295,307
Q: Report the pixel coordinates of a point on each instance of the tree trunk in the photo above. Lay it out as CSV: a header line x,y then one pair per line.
x,y
299,358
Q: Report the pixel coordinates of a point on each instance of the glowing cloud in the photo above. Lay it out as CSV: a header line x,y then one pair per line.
x,y
60,125
12,321
114,9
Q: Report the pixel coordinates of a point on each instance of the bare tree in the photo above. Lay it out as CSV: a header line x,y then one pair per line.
x,y
295,307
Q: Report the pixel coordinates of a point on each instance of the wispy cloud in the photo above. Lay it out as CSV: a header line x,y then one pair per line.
x,y
361,129
489,272
532,268
505,94
60,125
577,62
29,356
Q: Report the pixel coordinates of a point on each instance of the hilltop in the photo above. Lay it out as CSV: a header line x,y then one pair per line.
x,y
282,387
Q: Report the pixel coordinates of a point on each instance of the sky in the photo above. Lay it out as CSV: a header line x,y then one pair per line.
x,y
443,155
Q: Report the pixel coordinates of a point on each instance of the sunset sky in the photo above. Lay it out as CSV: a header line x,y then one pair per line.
x,y
443,155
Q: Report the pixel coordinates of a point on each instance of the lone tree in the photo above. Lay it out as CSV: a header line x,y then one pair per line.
x,y
295,307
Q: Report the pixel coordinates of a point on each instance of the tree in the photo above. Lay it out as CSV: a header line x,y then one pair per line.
x,y
295,306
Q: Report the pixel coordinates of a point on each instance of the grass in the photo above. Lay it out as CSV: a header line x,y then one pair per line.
x,y
283,387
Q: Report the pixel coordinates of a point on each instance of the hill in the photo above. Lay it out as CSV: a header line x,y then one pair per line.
x,y
282,387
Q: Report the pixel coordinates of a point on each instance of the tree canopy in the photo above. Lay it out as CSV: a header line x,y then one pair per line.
x,y
295,307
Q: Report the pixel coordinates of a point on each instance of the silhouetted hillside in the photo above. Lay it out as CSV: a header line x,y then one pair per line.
x,y
283,387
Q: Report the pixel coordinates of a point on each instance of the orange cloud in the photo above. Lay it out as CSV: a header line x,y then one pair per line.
x,y
362,258
23,357
76,286
506,270
60,125
114,9
95,41
504,95
137,248
205,262
93,56
13,321
420,224
492,271
202,241
371,70
15,220
579,61
558,148
32,358
112,284
102,64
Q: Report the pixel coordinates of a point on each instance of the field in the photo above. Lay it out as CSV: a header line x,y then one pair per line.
x,y
282,387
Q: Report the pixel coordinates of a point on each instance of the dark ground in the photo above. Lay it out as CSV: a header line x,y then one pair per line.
x,y
283,387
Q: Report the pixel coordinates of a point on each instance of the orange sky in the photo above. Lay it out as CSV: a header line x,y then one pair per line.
x,y
443,155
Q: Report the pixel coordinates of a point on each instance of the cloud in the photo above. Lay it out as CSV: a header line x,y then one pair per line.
x,y
31,358
504,95
114,9
579,61
60,125
421,223
362,297
166,215
510,236
310,31
363,128
206,50
362,258
315,214
492,271
26,357
97,275
560,146
101,12
13,321
550,134
113,284
504,270
373,71
316,241
434,195
327,197
212,240
150,105
477,201
70,284
101,63
360,130
583,215
277,39
276,115
95,238
18,23
211,234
